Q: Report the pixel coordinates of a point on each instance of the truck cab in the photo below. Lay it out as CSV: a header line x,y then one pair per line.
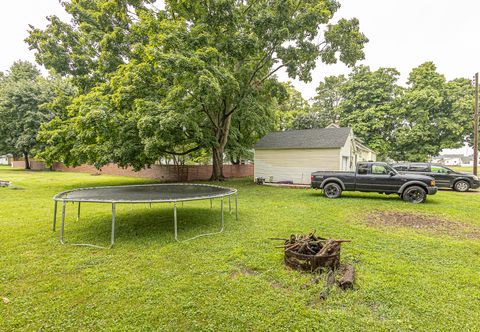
x,y
375,177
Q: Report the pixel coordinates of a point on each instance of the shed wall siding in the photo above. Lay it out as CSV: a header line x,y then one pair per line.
x,y
294,164
347,152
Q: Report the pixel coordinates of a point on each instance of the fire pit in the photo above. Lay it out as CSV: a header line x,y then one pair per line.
x,y
314,254
311,263
311,253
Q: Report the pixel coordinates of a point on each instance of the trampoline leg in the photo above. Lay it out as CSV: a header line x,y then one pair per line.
x,y
229,205
62,228
211,203
55,215
113,226
221,210
78,212
175,219
236,206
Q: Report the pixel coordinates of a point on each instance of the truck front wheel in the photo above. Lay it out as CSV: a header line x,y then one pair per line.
x,y
414,194
332,190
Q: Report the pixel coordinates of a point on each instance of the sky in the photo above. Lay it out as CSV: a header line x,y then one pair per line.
x,y
402,33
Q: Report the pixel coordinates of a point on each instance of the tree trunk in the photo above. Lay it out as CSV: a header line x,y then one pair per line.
x,y
221,131
218,150
217,167
27,162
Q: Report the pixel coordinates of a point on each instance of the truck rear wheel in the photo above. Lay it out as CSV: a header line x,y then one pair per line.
x,y
414,194
332,190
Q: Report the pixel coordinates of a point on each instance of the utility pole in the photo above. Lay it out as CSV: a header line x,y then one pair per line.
x,y
475,128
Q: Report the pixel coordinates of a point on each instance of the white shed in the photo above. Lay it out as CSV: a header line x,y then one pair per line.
x,y
294,154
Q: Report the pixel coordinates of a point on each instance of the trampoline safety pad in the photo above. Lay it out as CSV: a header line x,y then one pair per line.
x,y
149,193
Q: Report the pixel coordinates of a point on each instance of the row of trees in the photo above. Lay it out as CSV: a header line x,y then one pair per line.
x,y
131,84
24,94
409,123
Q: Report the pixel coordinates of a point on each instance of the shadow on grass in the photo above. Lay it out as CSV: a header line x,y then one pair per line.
x,y
371,196
471,191
143,225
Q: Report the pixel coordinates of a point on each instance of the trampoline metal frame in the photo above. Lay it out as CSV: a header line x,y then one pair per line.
x,y
58,198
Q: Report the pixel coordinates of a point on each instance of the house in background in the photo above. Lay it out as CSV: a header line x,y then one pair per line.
x,y
453,160
6,159
294,154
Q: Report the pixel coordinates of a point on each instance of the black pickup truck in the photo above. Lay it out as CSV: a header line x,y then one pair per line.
x,y
375,177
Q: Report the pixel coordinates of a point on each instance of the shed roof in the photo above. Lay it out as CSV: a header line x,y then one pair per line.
x,y
323,138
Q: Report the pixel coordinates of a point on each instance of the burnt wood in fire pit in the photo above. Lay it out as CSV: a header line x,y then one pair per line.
x,y
311,253
311,263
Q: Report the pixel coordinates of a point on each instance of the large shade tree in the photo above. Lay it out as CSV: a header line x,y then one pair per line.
x,y
369,106
289,105
174,80
23,94
435,114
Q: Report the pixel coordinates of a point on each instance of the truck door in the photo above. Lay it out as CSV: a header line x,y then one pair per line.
x,y
363,177
385,179
379,179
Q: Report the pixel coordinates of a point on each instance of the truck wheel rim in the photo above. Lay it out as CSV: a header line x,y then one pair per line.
x,y
462,186
331,191
415,196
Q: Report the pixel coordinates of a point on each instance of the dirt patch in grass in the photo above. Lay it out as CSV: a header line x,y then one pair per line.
x,y
423,222
243,270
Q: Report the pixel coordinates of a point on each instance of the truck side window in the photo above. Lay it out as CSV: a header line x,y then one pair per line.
x,y
362,169
439,169
400,168
418,168
379,169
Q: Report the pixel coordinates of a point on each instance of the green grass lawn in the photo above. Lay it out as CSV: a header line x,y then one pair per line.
x,y
407,279
466,169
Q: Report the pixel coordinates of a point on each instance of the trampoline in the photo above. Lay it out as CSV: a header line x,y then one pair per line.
x,y
149,193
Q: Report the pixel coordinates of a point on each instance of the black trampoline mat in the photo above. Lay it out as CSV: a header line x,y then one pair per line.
x,y
145,193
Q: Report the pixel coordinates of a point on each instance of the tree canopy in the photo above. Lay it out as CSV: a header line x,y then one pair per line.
x,y
324,110
435,114
411,123
23,94
189,77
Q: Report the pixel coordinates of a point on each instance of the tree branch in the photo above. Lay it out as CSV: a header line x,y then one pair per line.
x,y
272,72
182,153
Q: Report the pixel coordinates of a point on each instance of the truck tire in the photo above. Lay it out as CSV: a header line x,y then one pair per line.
x,y
461,186
414,194
332,190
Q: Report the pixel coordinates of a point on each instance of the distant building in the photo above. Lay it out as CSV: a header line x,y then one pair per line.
x,y
293,155
6,159
453,160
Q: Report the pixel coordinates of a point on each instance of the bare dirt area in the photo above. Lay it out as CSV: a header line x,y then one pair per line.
x,y
422,222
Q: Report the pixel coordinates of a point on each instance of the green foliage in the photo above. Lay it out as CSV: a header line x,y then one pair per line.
x,y
324,110
289,105
190,77
23,94
435,114
408,124
368,106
